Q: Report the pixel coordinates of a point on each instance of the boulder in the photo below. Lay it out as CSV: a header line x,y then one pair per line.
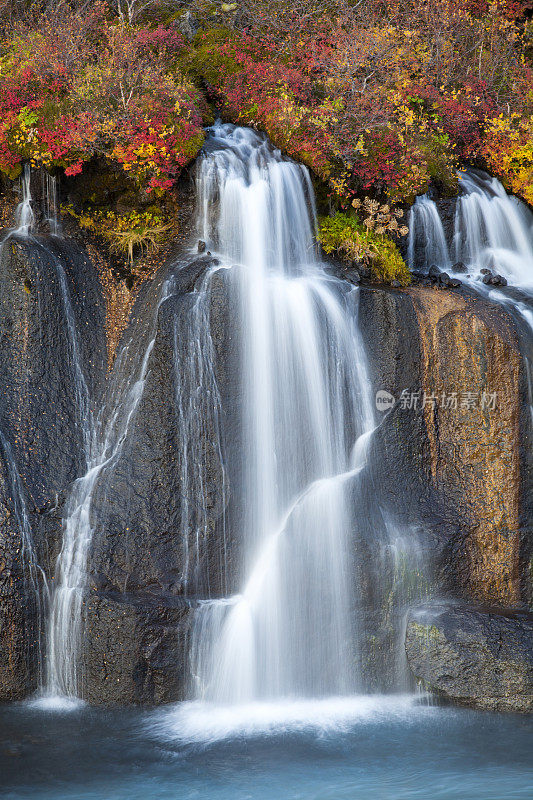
x,y
481,658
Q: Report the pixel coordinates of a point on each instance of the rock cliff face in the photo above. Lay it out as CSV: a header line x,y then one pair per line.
x,y
449,449
48,288
42,282
453,452
160,509
18,623
452,470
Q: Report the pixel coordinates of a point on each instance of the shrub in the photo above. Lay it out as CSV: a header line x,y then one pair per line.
x,y
352,240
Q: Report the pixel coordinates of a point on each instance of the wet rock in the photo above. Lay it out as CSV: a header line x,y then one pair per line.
x,y
18,617
444,279
353,276
201,246
473,657
161,528
460,267
454,461
136,649
498,280
39,403
434,272
453,283
487,278
485,271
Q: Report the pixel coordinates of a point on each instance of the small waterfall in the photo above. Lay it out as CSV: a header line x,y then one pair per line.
x,y
306,421
107,439
24,216
494,230
50,202
199,409
427,240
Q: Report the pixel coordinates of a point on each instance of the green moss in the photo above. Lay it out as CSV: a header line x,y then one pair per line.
x,y
350,239
204,62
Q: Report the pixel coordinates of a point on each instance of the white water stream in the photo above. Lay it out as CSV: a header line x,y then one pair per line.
x,y
306,403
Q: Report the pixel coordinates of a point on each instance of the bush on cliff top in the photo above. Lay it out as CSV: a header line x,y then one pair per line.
x,y
93,86
379,97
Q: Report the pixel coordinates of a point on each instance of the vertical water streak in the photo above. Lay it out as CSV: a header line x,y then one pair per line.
x,y
110,431
199,408
50,202
24,216
427,240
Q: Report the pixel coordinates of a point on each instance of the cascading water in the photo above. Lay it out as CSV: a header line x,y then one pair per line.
x,y
492,230
493,233
24,216
306,400
109,433
426,230
50,201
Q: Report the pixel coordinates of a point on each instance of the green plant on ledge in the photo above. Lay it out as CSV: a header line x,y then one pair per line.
x,y
352,240
138,232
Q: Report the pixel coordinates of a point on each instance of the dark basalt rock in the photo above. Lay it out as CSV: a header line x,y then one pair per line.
x,y
18,613
353,276
135,648
460,267
146,544
38,399
481,658
40,422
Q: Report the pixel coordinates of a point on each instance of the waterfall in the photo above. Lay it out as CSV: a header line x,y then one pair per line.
x,y
24,216
306,422
107,438
493,232
427,240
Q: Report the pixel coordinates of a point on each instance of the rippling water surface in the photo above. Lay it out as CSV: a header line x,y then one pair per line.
x,y
341,749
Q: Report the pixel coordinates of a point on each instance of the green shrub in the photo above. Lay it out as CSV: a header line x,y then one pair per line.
x,y
350,239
